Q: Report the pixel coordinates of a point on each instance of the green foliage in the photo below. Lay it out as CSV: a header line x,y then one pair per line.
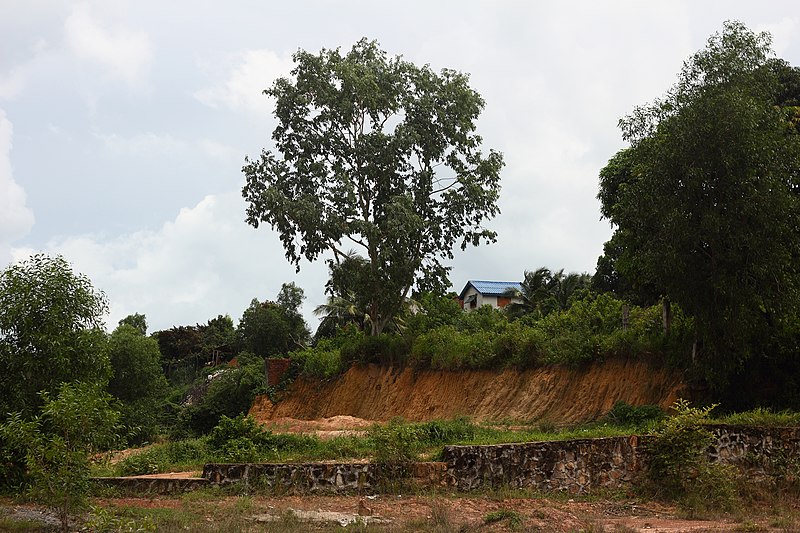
x,y
170,456
637,416
396,444
446,348
544,291
237,440
50,332
322,361
446,431
705,203
432,311
57,444
358,139
137,381
761,417
228,391
137,320
270,329
513,517
382,349
679,466
104,521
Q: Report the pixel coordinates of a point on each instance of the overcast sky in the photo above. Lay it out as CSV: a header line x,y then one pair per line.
x,y
124,126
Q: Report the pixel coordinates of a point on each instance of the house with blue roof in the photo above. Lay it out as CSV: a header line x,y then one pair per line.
x,y
477,293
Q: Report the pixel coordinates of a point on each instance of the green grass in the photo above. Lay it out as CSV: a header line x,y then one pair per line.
x,y
407,441
394,441
761,417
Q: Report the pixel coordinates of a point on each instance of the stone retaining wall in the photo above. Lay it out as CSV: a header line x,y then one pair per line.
x,y
759,451
323,477
575,465
149,485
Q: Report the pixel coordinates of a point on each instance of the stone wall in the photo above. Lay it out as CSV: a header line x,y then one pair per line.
x,y
362,478
576,465
759,451
151,485
584,464
309,477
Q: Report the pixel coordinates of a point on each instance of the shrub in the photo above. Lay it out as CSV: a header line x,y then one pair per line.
x,y
625,414
57,443
679,465
322,361
446,348
396,444
447,431
229,393
384,349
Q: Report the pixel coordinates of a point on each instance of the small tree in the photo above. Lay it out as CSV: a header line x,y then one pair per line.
x,y
57,443
50,331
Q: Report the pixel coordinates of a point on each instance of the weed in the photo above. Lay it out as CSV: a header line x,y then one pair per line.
x,y
513,517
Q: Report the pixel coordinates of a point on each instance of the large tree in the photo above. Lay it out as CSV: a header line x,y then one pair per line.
x,y
51,323
269,329
381,154
137,380
705,200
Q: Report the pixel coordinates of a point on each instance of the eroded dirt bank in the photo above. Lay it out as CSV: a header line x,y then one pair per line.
x,y
555,394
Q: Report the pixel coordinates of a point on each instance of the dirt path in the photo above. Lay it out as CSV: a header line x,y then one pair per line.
x,y
472,513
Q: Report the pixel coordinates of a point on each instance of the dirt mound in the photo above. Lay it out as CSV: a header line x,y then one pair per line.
x,y
325,428
556,394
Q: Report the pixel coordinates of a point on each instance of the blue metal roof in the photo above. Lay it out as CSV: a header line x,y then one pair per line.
x,y
491,288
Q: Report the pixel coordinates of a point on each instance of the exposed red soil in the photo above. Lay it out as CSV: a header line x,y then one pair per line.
x,y
555,394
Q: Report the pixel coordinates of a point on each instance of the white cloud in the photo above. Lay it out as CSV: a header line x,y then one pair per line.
x,y
205,262
127,53
219,150
255,70
16,219
143,144
783,33
150,144
11,84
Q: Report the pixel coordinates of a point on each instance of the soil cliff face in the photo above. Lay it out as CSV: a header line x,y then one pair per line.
x,y
556,394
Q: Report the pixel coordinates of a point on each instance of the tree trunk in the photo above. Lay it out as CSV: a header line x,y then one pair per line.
x,y
666,316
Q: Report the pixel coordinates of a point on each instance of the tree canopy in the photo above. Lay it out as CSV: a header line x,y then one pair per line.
x,y
705,200
381,154
50,331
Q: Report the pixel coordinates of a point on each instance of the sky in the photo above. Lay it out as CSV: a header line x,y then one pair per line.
x,y
124,125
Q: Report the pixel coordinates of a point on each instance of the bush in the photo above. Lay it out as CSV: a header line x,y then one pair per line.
x,y
625,414
242,439
447,431
322,361
383,349
187,453
229,392
58,443
396,444
679,466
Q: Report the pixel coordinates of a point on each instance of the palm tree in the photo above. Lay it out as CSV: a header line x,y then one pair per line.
x,y
533,296
339,311
544,291
563,287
